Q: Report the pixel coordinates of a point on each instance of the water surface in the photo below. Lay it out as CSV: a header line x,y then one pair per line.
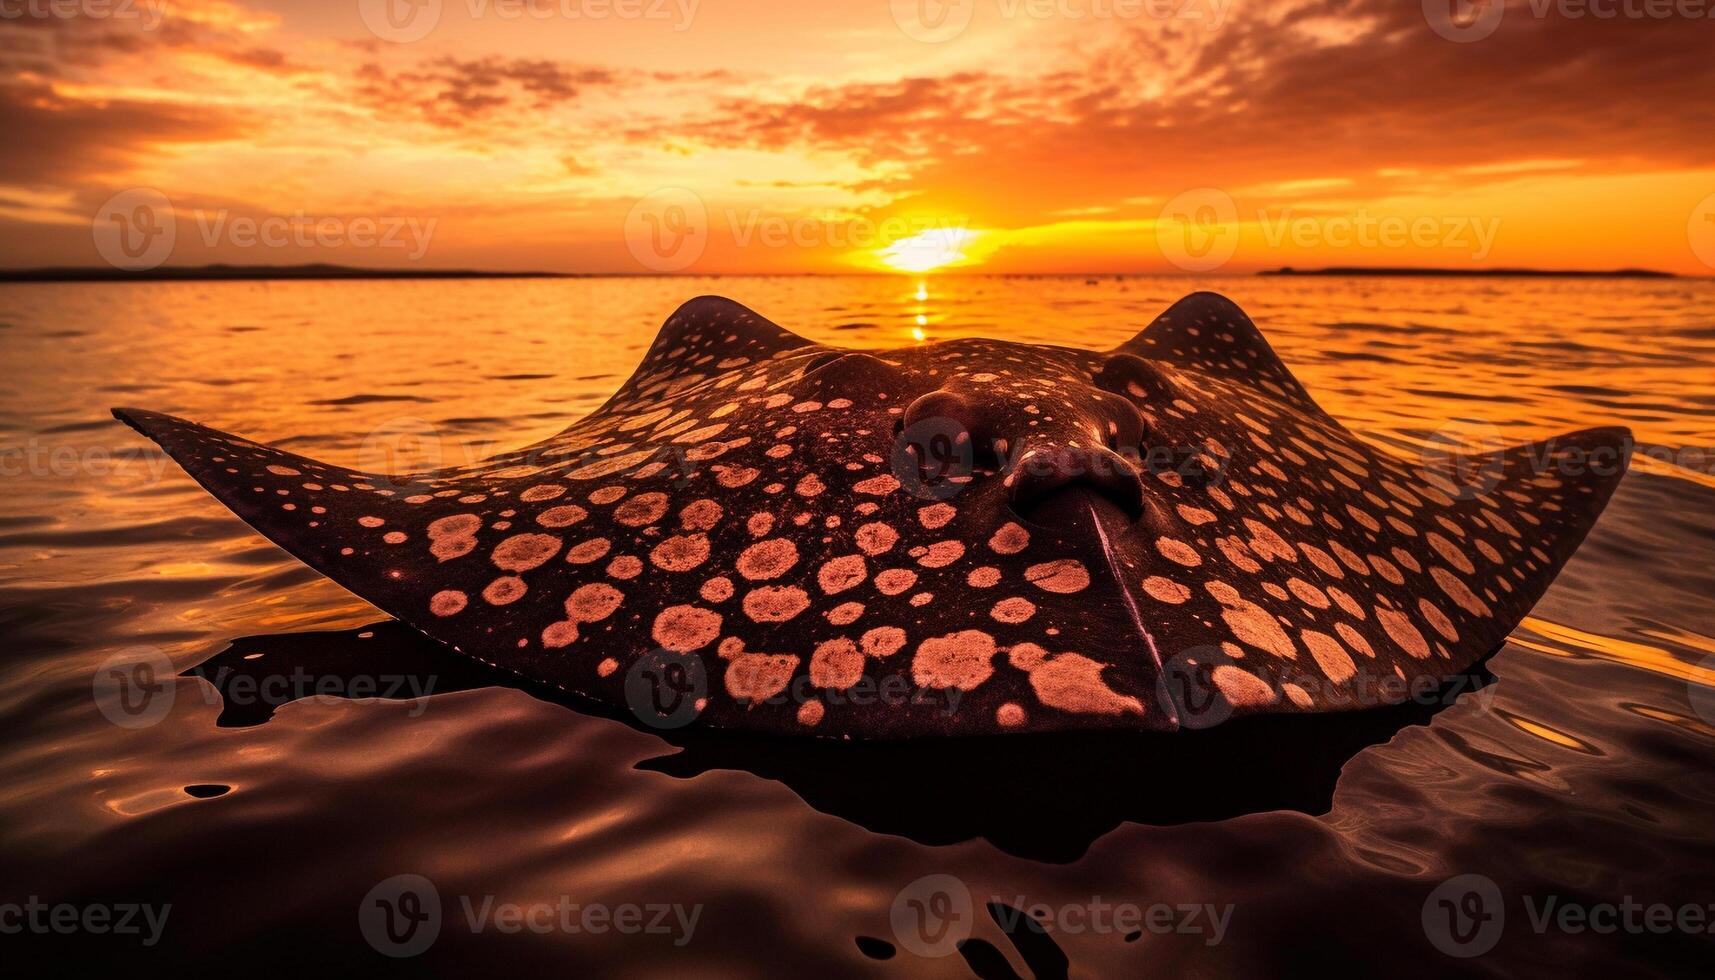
x,y
1582,774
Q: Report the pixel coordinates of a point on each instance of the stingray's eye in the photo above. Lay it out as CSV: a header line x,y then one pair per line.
x,y
1135,378
822,360
837,368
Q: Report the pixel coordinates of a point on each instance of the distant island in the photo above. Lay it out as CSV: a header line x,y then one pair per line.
x,y
1353,270
203,273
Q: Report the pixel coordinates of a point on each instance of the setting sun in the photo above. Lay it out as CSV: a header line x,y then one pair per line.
x,y
927,251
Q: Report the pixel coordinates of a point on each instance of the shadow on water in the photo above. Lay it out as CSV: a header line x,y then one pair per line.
x,y
1045,797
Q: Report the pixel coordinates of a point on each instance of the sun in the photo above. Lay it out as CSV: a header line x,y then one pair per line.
x,y
928,250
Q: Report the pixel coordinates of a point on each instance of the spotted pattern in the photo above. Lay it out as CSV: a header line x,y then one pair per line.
x,y
740,501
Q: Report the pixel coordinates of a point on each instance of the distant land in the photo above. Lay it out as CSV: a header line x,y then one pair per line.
x,y
203,273
1354,270
326,271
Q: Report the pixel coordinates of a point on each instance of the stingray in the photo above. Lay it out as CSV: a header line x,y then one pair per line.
x,y
965,537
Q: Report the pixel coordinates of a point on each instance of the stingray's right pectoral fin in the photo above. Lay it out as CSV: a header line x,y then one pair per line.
x,y
1529,507
336,520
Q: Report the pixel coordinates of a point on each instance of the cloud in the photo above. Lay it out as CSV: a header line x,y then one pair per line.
x,y
1328,91
73,142
1039,124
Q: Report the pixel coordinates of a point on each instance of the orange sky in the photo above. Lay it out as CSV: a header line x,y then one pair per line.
x,y
743,136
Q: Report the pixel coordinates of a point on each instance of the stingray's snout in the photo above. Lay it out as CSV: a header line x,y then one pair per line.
x,y
1043,473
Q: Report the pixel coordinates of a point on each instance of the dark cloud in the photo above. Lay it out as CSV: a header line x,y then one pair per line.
x,y
1335,89
72,143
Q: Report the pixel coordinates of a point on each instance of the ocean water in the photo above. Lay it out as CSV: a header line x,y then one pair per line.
x,y
281,772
